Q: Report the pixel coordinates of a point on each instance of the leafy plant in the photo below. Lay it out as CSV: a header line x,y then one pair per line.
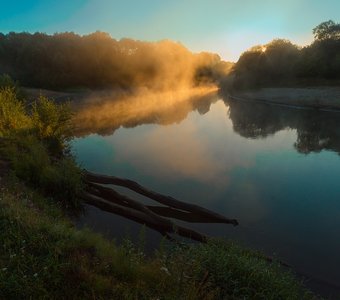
x,y
36,142
7,82
12,112
52,124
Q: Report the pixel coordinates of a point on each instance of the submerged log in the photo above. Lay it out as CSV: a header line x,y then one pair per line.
x,y
173,213
111,195
162,227
106,198
163,199
157,212
132,206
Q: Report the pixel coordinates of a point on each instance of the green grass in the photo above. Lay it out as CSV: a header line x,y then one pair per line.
x,y
43,256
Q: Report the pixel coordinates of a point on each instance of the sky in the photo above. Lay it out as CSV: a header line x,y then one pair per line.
x,y
226,27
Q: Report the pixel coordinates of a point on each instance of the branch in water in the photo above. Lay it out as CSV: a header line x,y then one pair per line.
x,y
163,199
142,218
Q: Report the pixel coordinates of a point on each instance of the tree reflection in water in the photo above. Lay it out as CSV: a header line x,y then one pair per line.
x,y
103,115
316,130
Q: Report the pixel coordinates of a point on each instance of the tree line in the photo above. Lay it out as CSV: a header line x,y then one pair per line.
x,y
68,60
281,62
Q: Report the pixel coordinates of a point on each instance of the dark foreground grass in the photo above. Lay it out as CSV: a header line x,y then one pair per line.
x,y
42,256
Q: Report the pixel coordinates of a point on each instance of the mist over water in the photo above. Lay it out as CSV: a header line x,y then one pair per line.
x,y
104,113
274,169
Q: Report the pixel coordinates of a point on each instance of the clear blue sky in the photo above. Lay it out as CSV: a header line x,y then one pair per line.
x,y
227,27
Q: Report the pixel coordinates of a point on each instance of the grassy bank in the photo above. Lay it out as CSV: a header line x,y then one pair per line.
x,y
43,256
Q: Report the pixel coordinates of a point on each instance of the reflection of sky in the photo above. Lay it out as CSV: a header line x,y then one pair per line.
x,y
202,148
202,151
286,202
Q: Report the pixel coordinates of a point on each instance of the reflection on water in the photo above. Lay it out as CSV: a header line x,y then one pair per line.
x,y
246,161
103,115
316,130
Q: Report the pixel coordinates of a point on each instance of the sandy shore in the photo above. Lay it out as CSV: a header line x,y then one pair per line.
x,y
313,97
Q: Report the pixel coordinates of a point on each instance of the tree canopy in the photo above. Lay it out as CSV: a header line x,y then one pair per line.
x,y
327,30
280,62
68,60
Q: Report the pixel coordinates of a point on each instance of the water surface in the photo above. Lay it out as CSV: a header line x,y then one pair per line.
x,y
274,169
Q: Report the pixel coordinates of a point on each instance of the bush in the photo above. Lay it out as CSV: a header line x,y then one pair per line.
x,y
52,124
36,144
58,178
63,180
12,112
7,82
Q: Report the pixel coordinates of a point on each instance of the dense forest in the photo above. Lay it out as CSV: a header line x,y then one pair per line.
x,y
68,60
280,62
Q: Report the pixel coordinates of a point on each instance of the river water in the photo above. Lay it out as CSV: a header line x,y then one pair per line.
x,y
276,170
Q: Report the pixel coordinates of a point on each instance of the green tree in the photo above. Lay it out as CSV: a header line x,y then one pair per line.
x,y
327,30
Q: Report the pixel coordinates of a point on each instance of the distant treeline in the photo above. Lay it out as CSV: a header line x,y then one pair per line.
x,y
282,63
68,60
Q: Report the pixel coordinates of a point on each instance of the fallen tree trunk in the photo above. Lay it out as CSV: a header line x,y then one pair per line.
x,y
157,212
142,218
113,196
173,213
110,200
132,207
163,199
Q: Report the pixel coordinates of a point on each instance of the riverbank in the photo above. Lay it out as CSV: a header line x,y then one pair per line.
x,y
320,98
44,256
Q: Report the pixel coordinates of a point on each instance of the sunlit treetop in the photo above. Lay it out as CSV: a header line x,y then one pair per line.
x,y
327,31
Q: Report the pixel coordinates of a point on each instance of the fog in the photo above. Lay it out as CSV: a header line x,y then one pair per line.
x,y
103,112
69,60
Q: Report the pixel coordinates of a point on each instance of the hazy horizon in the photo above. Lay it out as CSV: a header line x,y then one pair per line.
x,y
227,28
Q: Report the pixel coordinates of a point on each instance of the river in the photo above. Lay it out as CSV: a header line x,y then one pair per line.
x,y
276,170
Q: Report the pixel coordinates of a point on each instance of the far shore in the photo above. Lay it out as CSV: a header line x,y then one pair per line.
x,y
78,95
319,97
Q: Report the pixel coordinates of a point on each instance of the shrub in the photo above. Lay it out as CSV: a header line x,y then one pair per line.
x,y
52,124
63,180
7,82
36,144
12,112
28,158
58,178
